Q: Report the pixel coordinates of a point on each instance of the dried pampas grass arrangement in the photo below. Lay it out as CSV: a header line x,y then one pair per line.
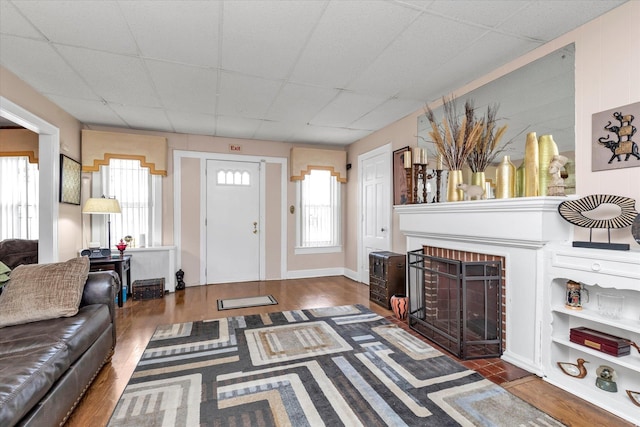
x,y
486,149
456,138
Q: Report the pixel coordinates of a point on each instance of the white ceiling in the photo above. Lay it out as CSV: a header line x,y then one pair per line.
x,y
296,71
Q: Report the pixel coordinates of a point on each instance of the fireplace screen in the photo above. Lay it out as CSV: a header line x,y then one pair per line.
x,y
456,304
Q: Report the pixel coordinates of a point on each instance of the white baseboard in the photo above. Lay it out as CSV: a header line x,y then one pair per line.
x,y
353,275
321,272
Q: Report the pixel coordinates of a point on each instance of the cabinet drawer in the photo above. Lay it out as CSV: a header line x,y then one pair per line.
x,y
623,266
103,267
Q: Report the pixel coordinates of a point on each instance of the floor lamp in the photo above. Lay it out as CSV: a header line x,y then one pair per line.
x,y
102,206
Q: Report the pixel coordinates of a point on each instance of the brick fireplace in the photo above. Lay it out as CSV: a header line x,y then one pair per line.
x,y
512,230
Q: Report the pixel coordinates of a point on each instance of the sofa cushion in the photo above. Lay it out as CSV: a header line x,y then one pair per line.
x,y
26,376
43,291
78,332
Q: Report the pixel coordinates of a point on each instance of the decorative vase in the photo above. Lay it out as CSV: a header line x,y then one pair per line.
x,y
547,148
520,180
531,163
400,306
505,179
454,178
478,178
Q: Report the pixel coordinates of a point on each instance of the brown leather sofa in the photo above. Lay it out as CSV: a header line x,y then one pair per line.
x,y
14,252
46,366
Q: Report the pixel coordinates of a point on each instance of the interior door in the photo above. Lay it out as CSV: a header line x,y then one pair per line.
x,y
376,206
233,221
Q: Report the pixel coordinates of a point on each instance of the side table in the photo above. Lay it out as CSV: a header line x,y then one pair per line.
x,y
114,263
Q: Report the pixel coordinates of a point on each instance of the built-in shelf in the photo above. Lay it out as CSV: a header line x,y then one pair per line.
x,y
613,272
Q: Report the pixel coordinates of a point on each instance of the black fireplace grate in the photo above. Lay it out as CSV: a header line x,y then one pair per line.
x,y
456,304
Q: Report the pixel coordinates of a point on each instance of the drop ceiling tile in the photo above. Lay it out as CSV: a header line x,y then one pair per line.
x,y
310,134
179,31
387,113
12,22
92,24
42,68
116,78
144,117
184,88
236,127
330,61
276,131
87,111
245,96
300,103
408,62
255,41
469,64
542,21
193,123
345,109
488,13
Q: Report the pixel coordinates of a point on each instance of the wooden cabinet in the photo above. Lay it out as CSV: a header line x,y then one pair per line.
x,y
600,272
386,276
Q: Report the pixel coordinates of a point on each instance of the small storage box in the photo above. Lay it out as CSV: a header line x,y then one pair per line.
x,y
609,344
148,289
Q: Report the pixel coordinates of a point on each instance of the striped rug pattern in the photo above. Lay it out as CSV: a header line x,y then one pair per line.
x,y
330,366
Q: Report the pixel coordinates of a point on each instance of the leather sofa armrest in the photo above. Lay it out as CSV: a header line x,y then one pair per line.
x,y
101,288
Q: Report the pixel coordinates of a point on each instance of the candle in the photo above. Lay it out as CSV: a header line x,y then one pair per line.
x,y
407,159
439,162
419,156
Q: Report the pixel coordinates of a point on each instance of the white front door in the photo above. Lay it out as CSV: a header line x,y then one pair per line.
x,y
375,190
233,221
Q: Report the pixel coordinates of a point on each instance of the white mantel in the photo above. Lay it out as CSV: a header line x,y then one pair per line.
x,y
516,229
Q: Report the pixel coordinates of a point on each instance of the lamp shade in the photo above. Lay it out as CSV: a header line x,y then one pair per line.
x,y
101,205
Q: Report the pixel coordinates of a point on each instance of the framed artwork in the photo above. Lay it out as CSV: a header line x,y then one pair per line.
x,y
613,139
70,179
401,189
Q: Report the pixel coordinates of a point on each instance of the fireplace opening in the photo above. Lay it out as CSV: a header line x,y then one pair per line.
x,y
457,303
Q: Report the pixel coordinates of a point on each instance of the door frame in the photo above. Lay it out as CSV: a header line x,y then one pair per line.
x,y
48,177
385,149
178,155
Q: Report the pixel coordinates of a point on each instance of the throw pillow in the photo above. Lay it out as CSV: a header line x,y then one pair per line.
x,y
43,291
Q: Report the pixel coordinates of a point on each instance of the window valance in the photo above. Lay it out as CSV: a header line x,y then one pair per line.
x,y
303,160
19,142
99,147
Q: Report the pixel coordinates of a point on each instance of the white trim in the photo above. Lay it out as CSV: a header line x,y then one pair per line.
x,y
387,148
317,250
49,161
177,200
320,272
353,275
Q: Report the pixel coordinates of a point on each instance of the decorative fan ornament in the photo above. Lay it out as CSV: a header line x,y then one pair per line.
x,y
573,212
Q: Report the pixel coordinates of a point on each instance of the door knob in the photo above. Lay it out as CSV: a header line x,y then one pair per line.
x,y
383,229
255,228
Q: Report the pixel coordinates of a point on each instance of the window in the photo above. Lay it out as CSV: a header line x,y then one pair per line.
x,y
19,201
319,212
228,177
139,194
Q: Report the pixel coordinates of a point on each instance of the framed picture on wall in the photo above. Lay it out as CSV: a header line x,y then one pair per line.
x,y
401,194
70,178
614,144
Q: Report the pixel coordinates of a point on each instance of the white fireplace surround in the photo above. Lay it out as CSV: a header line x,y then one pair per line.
x,y
516,229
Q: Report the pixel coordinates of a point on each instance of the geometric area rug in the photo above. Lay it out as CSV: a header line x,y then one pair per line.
x,y
329,366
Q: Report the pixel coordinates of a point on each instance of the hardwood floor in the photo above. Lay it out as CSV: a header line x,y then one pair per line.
x,y
137,321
